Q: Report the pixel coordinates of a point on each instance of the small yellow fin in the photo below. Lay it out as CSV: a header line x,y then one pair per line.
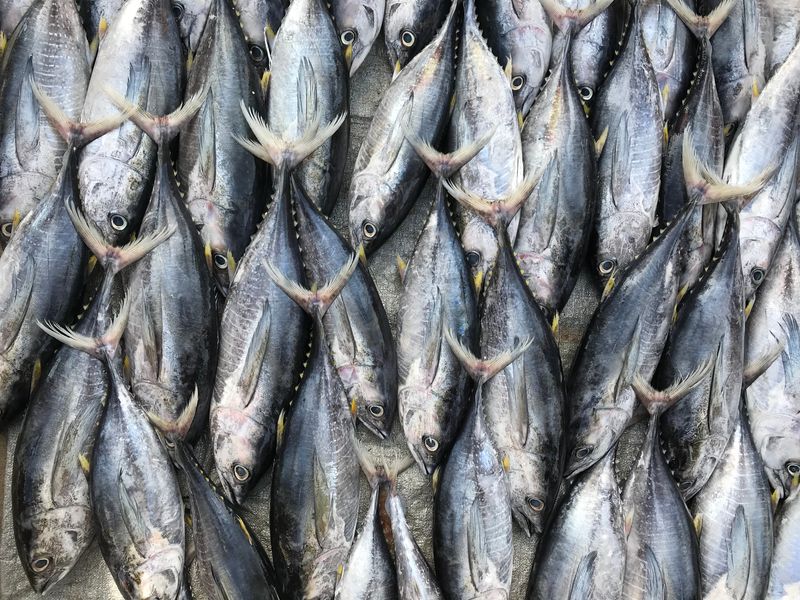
x,y
84,462
477,280
698,524
756,91
555,323
600,142
402,267
609,286
244,529
36,374
362,254
265,81
506,463
749,307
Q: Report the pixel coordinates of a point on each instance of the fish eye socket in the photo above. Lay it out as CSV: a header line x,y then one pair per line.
x,y
7,229
177,10
684,485
583,452
220,261
376,410
586,93
473,258
535,504
118,222
348,37
408,38
431,443
369,229
241,473
606,266
169,443
757,275
517,82
40,565
257,53
793,469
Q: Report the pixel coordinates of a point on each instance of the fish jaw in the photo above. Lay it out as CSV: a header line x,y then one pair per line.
x,y
159,576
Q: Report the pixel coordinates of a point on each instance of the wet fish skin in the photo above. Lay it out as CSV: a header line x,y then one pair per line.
x,y
629,167
709,326
142,62
358,22
191,16
419,18
735,513
701,116
49,46
482,97
50,497
41,272
585,539
786,32
93,12
307,31
11,13
225,546
556,221
519,31
254,385
773,400
437,295
388,175
260,20
224,184
356,325
783,576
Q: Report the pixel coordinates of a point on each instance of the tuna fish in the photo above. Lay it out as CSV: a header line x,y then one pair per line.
x,y
409,26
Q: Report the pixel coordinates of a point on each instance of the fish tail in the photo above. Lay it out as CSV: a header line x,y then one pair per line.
x,y
758,366
160,128
178,428
702,26
314,301
479,369
281,153
103,347
376,473
114,258
75,133
657,401
444,165
497,213
572,20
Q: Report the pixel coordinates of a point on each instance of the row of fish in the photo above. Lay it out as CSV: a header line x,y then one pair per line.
x,y
207,326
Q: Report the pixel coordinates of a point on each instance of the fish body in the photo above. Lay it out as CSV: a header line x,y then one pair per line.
x,y
356,324
53,522
224,184
307,32
49,46
171,338
260,21
518,31
388,174
556,221
358,22
41,273
629,167
96,15
783,576
735,514
140,58
262,344
773,400
437,295
409,26
785,34
11,13
483,99
584,546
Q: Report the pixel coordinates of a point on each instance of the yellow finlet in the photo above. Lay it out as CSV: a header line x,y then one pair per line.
x,y
506,463
698,524
674,313
126,366
586,109
664,95
231,264
795,482
609,286
774,498
339,571
452,102
437,473
84,461
348,55
281,428
91,264
397,68
756,91
265,81
749,307
726,131
362,254
628,523
93,45
15,220
402,267
508,70
520,119
555,323
666,134
189,61
3,42
244,529
207,255
682,292
36,375
353,407
269,33
102,28
477,280
600,142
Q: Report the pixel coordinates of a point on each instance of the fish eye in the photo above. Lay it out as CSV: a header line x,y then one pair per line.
x,y
7,228
40,565
257,53
535,504
348,37
473,258
606,266
583,452
517,82
376,410
684,485
586,93
793,469
757,275
408,38
220,261
431,443
369,229
118,222
241,473
177,10
169,443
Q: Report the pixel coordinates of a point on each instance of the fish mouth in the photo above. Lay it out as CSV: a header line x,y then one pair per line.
x,y
427,470
383,435
527,526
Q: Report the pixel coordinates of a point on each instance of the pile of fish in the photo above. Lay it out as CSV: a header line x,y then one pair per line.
x,y
170,282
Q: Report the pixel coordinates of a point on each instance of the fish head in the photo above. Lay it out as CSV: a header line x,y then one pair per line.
x,y
242,450
358,24
159,577
756,254
374,409
107,204
220,255
51,542
369,200
528,66
590,441
620,238
544,278
781,455
401,31
529,498
425,436
191,17
480,248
